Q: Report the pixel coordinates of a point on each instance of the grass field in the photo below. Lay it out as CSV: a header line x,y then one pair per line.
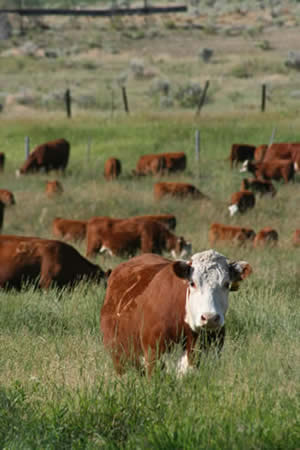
x,y
58,387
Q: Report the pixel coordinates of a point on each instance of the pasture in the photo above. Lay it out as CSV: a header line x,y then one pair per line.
x,y
58,386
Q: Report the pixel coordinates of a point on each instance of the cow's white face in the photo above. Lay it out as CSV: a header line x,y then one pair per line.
x,y
210,276
233,209
244,166
18,173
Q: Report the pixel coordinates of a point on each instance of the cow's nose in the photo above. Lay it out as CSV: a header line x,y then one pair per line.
x,y
210,320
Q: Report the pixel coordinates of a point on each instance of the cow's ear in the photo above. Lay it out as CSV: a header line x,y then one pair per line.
x,y
238,270
183,269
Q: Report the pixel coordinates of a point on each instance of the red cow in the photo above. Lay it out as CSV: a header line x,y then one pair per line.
x,y
284,150
54,188
150,165
112,169
240,153
70,230
152,303
266,236
296,238
48,156
271,170
179,190
260,152
7,197
241,201
233,234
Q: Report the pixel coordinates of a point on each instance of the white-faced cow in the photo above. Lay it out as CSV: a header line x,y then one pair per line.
x,y
152,303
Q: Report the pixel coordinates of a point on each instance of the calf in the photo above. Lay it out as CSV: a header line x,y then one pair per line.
x,y
260,187
232,234
266,236
7,197
43,261
150,165
296,238
54,188
112,169
70,230
179,190
152,303
241,202
268,170
240,153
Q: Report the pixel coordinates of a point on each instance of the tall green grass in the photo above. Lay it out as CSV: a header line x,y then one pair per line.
x,y
58,386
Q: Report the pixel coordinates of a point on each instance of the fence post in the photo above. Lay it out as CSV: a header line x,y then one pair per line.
x,y
272,136
203,97
125,100
263,98
27,145
68,103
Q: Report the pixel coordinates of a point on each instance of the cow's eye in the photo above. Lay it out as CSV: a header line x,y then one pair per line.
x,y
226,285
192,284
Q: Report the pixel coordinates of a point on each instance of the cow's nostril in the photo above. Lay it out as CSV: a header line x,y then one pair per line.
x,y
203,318
217,318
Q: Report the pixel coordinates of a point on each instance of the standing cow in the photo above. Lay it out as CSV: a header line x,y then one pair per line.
x,y
152,303
52,155
240,153
112,169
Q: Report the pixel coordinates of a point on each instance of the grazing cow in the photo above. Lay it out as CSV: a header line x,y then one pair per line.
x,y
7,197
266,236
284,150
296,238
54,188
43,261
150,165
271,170
127,236
152,303
233,234
112,169
2,207
260,187
241,201
48,156
179,190
260,153
240,153
169,220
175,161
70,230
2,161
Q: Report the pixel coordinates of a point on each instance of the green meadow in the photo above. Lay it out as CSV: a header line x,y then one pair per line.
x,y
58,387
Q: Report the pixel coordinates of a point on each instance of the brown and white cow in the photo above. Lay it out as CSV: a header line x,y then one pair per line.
x,y
150,165
70,230
54,188
112,169
127,236
43,261
7,197
53,155
265,237
284,150
296,238
271,170
2,161
151,303
240,153
179,190
232,234
241,201
260,187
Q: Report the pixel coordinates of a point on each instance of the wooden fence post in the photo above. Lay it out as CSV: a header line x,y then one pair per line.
x,y
125,100
203,97
272,136
263,98
27,145
68,103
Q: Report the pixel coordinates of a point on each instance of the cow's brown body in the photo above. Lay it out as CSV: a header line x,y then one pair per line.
x,y
233,234
296,238
144,313
284,150
240,153
266,236
70,230
260,187
150,165
260,153
244,200
7,197
175,161
273,170
127,236
2,161
112,169
48,156
179,190
54,188
43,261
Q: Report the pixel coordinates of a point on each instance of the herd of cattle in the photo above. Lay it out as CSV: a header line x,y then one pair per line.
x,y
140,318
